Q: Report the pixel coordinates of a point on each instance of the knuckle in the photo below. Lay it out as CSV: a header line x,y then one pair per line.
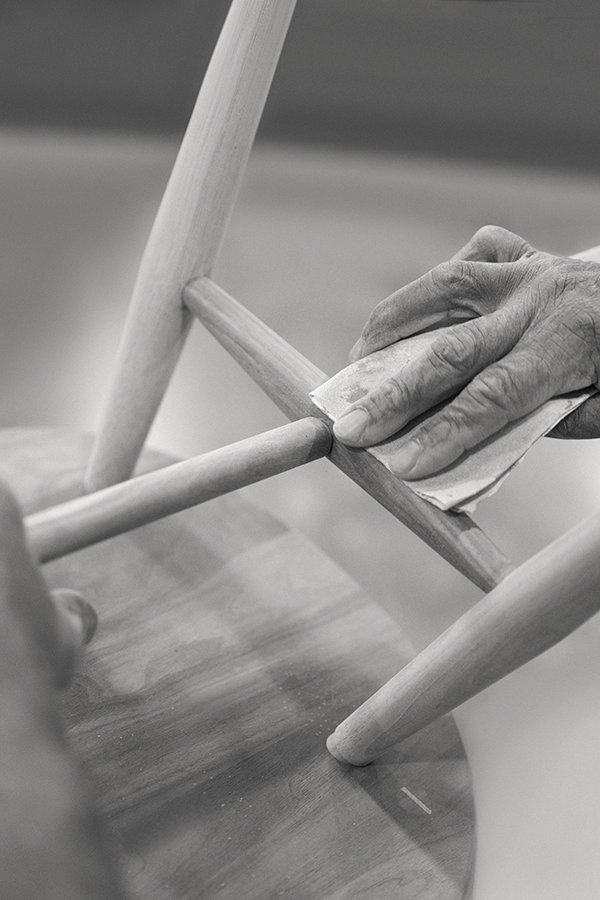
x,y
445,428
391,395
494,390
454,277
442,276
447,273
505,245
458,351
454,422
489,236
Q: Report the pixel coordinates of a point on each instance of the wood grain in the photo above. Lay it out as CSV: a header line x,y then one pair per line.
x,y
287,378
535,607
189,228
227,647
87,520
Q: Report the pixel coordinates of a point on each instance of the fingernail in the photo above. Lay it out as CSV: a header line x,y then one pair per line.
x,y
350,426
83,613
89,620
405,458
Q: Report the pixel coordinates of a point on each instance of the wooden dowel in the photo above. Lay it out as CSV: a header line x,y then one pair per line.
x,y
287,378
189,228
279,369
537,605
86,520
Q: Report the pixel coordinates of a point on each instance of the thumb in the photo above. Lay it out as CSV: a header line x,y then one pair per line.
x,y
76,622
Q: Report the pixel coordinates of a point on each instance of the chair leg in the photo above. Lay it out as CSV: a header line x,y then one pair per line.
x,y
189,228
535,606
116,509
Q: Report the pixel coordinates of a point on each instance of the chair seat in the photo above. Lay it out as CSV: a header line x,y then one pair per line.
x,y
228,648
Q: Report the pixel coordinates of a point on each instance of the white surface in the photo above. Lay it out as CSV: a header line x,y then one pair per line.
x,y
316,241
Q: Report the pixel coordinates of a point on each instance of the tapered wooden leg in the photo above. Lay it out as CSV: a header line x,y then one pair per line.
x,y
189,228
540,603
114,510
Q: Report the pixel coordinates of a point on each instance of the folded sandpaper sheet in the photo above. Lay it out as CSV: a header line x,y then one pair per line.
x,y
477,474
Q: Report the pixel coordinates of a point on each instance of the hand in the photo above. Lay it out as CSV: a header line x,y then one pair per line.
x,y
530,330
53,625
51,840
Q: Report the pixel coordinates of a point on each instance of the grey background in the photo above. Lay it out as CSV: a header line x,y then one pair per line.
x,y
496,80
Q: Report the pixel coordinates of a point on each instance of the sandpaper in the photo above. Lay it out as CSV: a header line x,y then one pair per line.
x,y
479,472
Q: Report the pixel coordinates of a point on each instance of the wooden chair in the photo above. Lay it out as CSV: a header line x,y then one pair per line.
x,y
174,285
228,646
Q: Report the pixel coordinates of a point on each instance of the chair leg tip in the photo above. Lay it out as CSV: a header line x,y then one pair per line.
x,y
334,748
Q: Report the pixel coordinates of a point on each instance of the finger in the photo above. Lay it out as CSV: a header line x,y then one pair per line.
x,y
54,624
455,355
502,393
76,624
492,243
453,291
582,423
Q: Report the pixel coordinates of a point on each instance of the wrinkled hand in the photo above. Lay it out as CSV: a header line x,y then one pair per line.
x,y
530,331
